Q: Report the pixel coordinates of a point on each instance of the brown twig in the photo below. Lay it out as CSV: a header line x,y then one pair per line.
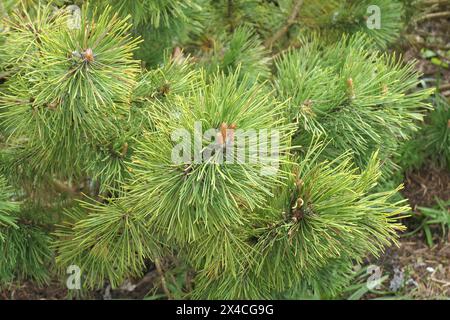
x,y
434,1
436,15
444,87
63,188
148,278
290,21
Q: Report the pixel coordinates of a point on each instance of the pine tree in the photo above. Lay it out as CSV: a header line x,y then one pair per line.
x,y
91,117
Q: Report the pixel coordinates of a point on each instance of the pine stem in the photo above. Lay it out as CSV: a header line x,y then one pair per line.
x,y
163,279
63,188
290,21
230,14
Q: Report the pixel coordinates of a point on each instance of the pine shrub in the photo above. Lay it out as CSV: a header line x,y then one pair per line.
x,y
90,118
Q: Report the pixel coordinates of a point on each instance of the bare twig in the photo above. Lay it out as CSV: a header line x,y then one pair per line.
x,y
434,2
444,87
445,283
436,15
290,21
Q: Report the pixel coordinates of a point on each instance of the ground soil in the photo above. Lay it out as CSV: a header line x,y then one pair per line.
x,y
423,186
425,270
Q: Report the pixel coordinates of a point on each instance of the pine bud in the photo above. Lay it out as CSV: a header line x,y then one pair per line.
x,y
230,133
88,55
223,131
351,88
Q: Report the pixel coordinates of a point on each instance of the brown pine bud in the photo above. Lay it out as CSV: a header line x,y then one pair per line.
x,y
223,131
230,133
351,88
88,55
